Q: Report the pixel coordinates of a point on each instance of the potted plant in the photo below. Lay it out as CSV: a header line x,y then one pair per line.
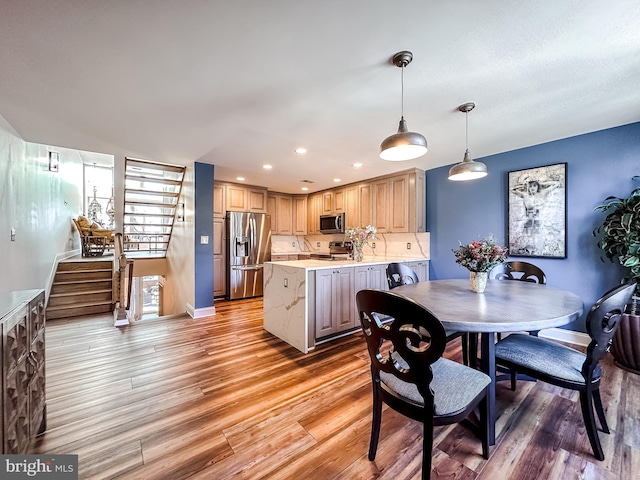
x,y
620,240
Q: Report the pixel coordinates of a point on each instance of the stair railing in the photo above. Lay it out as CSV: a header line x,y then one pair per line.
x,y
122,282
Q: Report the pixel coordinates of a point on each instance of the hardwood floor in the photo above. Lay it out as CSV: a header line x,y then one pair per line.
x,y
219,397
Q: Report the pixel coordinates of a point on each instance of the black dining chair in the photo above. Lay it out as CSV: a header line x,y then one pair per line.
x,y
566,367
523,271
400,274
409,374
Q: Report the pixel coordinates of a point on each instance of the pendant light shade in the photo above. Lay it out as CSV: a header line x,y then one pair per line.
x,y
404,145
467,169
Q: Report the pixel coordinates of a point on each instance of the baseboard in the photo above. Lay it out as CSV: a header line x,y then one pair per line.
x,y
200,312
568,336
59,257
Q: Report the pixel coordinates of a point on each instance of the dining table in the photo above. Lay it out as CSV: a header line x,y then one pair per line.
x,y
504,306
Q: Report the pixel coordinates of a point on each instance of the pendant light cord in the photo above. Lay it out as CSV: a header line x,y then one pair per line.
x,y
402,93
466,117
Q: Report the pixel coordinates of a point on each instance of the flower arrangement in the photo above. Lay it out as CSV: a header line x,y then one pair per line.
x,y
359,237
480,255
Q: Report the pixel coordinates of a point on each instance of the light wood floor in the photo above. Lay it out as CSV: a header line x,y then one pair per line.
x,y
219,397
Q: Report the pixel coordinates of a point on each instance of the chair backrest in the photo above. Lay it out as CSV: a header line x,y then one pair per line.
x,y
399,274
602,322
405,347
524,271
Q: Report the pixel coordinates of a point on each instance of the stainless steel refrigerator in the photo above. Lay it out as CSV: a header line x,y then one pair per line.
x,y
248,247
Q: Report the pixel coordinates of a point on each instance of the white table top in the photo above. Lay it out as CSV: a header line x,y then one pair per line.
x,y
505,305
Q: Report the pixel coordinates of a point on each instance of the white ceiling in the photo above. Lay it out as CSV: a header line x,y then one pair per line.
x,y
242,83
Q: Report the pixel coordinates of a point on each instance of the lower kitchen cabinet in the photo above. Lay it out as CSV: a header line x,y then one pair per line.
x,y
334,301
23,369
421,267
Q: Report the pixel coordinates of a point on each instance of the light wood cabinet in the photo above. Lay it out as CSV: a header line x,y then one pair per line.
x,y
334,298
381,204
219,258
280,208
23,370
327,202
314,210
365,207
299,214
242,198
219,203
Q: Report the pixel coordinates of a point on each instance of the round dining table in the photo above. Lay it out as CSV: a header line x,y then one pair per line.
x,y
505,306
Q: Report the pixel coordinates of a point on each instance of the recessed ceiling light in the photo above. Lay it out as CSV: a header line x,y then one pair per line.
x,y
304,189
337,180
300,150
241,179
356,165
267,167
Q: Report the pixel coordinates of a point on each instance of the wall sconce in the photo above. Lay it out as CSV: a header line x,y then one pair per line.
x,y
54,161
180,212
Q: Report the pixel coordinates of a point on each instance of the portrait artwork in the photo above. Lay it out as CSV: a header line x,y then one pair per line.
x,y
537,212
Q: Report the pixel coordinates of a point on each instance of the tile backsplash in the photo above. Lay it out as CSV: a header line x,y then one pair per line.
x,y
386,244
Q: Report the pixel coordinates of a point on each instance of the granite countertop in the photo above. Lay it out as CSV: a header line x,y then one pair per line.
x,y
315,264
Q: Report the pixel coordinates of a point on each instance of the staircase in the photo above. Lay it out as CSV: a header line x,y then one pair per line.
x,y
151,197
81,287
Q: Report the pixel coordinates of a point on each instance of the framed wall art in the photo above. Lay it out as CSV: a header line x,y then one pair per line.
x,y
537,213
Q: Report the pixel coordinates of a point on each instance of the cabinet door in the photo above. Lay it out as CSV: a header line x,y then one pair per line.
x,y
236,198
219,208
381,204
399,211
314,209
272,211
324,303
299,215
352,219
343,299
365,205
219,258
284,209
327,202
256,200
338,201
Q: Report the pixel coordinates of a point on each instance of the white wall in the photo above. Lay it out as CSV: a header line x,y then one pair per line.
x,y
179,287
39,205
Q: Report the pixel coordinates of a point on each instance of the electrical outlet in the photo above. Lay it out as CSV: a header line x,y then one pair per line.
x,y
286,283
408,245
204,239
373,244
293,244
318,244
13,234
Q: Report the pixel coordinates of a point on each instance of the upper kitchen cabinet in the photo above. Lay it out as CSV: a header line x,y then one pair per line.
x,y
219,204
299,214
280,208
241,198
399,202
314,210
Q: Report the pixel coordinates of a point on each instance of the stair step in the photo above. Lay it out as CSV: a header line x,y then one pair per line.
x,y
79,276
81,285
78,310
85,266
75,298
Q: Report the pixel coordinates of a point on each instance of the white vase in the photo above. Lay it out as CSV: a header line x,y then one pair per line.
x,y
478,281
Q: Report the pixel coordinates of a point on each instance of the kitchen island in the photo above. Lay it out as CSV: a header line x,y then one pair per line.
x,y
308,302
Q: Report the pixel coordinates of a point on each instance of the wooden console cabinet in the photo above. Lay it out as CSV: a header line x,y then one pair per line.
x,y
22,321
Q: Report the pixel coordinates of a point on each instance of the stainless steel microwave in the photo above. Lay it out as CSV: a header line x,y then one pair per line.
x,y
332,223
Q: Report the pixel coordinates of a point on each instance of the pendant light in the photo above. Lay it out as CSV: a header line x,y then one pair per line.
x,y
403,145
467,169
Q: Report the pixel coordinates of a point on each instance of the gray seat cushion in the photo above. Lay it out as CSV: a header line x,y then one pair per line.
x,y
454,386
545,356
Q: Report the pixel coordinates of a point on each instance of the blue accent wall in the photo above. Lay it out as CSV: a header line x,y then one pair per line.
x,y
203,221
599,164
